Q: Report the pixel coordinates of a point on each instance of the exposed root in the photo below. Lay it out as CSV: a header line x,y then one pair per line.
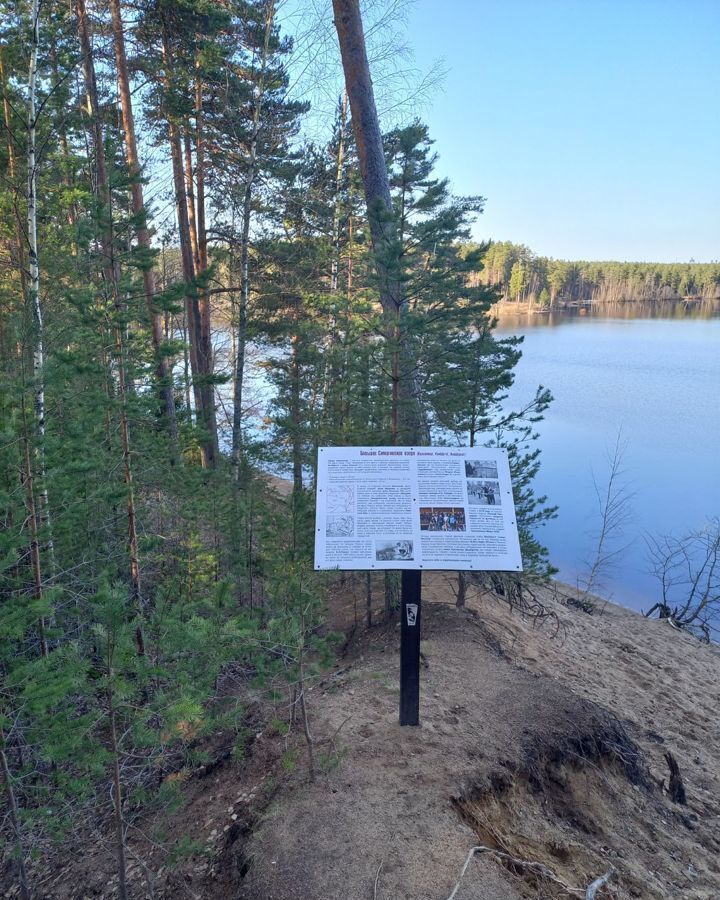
x,y
522,867
563,779
592,890
676,788
520,597
377,876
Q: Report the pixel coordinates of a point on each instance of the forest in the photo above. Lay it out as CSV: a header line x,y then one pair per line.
x,y
524,277
157,361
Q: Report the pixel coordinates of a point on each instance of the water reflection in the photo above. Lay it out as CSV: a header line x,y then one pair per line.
x,y
509,316
654,376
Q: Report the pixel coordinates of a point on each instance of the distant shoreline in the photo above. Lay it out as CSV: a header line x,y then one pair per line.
x,y
534,307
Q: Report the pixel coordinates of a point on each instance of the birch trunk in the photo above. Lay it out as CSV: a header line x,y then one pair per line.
x,y
43,512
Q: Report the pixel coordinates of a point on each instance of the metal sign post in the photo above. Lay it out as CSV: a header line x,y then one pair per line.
x,y
415,509
410,598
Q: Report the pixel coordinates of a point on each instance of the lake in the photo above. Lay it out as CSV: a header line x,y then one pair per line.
x,y
649,370
653,375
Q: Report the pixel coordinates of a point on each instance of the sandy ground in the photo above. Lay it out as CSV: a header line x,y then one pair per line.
x,y
545,744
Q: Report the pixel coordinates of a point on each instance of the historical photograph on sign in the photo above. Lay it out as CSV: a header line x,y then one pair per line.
x,y
483,493
339,526
443,518
388,549
481,468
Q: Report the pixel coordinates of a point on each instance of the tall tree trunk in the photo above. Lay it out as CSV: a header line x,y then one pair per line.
x,y
296,417
200,170
34,290
201,233
241,342
408,421
117,798
20,262
339,162
200,344
34,542
192,310
14,817
333,374
190,196
239,367
111,277
163,370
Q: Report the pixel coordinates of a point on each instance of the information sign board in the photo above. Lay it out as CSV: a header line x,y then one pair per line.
x,y
422,508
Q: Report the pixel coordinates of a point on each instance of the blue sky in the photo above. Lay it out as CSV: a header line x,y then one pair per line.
x,y
592,127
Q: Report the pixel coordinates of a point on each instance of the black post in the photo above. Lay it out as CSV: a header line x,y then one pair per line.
x,y
410,648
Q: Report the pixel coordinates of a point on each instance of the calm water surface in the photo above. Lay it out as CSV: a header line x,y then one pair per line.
x,y
657,379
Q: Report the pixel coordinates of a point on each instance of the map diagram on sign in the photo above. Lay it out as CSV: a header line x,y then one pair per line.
x,y
340,526
340,499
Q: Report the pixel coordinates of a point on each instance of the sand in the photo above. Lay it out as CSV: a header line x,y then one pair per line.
x,y
543,743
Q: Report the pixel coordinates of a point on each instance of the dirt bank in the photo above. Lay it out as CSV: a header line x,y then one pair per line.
x,y
544,744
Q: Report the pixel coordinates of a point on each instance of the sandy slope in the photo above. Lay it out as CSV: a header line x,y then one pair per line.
x,y
513,753
544,743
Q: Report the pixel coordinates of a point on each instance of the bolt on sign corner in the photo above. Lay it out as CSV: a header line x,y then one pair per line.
x,y
432,508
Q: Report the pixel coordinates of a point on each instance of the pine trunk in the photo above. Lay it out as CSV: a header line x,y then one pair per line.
x,y
190,196
111,277
200,339
241,345
162,368
408,420
20,263
14,817
117,800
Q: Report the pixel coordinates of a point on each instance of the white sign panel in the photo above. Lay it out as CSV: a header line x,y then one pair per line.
x,y
415,508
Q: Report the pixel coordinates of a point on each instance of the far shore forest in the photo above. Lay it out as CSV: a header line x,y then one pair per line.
x,y
522,276
157,190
